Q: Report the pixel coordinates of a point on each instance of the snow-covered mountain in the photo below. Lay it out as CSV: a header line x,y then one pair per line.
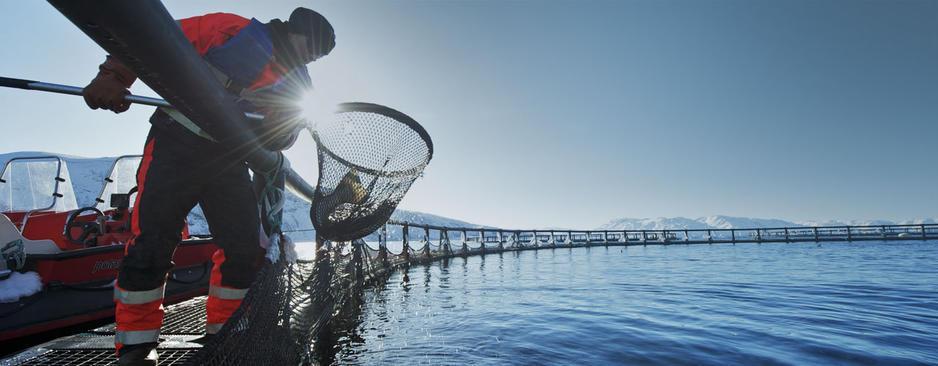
x,y
710,222
732,222
871,222
653,224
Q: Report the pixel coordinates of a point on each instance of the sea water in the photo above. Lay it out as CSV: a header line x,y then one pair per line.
x,y
804,303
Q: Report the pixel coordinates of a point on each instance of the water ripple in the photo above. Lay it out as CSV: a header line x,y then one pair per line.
x,y
769,304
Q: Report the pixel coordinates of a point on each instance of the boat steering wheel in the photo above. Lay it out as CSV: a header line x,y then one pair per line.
x,y
87,227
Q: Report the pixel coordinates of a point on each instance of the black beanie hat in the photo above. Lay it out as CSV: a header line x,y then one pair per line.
x,y
315,27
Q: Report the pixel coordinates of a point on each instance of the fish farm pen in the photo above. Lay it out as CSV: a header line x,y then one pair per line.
x,y
295,306
490,239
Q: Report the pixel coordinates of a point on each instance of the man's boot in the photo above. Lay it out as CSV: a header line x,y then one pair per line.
x,y
139,355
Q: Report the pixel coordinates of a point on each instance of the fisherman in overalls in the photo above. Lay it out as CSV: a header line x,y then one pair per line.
x,y
264,64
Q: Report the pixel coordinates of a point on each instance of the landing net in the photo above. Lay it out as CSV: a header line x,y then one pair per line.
x,y
368,158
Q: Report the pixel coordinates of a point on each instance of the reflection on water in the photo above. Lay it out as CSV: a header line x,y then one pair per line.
x,y
869,303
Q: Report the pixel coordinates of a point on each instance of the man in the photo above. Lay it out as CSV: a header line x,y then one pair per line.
x,y
264,65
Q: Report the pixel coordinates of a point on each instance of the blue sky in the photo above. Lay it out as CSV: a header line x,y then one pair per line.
x,y
570,113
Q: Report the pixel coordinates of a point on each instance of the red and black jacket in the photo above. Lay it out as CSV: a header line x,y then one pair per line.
x,y
241,53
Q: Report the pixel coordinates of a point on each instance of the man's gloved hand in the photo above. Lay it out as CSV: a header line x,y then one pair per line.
x,y
279,129
106,91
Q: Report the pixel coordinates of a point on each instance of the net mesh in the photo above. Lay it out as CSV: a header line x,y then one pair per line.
x,y
284,313
294,312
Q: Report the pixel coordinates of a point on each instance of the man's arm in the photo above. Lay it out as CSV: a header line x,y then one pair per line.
x,y
113,81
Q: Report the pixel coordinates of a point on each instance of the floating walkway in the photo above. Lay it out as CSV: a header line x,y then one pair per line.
x,y
419,243
517,239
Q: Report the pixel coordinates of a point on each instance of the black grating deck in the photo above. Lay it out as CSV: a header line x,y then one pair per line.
x,y
187,317
183,323
95,357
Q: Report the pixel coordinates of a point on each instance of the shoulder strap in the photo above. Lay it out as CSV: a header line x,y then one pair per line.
x,y
187,123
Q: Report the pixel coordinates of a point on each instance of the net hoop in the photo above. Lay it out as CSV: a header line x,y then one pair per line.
x,y
392,114
368,159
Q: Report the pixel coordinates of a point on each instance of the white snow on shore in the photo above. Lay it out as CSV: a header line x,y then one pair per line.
x,y
19,285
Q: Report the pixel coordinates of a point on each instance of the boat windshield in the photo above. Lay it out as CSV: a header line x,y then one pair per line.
x,y
121,179
39,183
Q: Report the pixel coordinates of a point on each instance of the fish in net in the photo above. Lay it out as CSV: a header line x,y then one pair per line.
x,y
369,156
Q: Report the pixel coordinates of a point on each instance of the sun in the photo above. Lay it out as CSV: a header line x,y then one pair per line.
x,y
316,109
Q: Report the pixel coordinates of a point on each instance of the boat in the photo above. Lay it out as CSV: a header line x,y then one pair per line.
x,y
75,251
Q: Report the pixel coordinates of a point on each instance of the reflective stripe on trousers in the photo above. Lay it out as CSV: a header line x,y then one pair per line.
x,y
226,293
221,304
139,316
222,301
129,337
138,297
